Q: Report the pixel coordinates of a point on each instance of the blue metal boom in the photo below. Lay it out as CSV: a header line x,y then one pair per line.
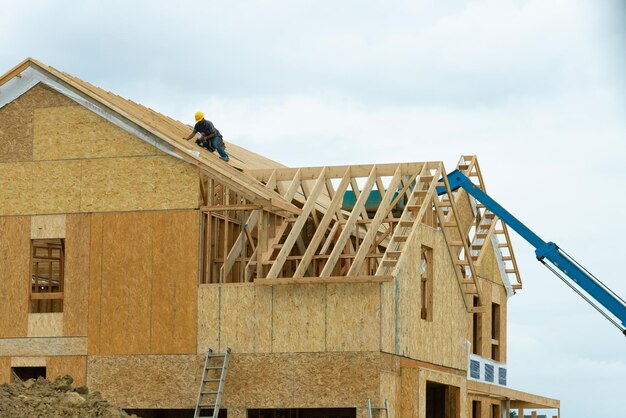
x,y
551,252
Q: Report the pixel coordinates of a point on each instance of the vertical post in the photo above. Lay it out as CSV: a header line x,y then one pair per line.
x,y
261,247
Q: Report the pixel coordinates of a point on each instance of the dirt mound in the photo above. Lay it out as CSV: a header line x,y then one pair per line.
x,y
42,398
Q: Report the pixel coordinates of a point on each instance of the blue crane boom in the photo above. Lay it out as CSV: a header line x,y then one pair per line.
x,y
549,251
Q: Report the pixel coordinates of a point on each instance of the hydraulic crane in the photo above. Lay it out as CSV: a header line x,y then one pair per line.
x,y
546,252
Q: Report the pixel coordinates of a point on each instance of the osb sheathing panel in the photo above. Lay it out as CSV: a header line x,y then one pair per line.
x,y
389,388
76,281
52,346
353,317
75,366
145,305
74,132
45,324
303,380
102,185
260,381
388,315
14,275
298,318
28,361
47,226
5,370
407,396
208,318
16,121
174,289
95,283
443,340
338,379
159,381
220,323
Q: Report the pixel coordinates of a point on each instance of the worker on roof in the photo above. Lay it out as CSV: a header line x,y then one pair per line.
x,y
210,138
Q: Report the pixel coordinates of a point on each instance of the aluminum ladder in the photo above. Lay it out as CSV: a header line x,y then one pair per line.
x,y
371,408
212,384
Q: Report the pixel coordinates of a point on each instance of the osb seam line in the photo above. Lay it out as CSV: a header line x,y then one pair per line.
x,y
226,174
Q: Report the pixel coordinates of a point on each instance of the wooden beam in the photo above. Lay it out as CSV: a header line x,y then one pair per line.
x,y
323,280
335,172
354,215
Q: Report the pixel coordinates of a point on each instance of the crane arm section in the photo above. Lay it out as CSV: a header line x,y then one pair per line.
x,y
549,251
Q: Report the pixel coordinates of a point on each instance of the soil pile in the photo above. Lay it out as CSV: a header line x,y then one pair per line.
x,y
42,398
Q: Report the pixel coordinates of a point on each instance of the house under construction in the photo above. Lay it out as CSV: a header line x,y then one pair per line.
x,y
341,291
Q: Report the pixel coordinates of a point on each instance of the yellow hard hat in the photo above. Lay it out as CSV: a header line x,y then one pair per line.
x,y
199,116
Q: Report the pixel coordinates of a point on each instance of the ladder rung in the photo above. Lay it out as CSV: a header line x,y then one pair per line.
x,y
509,271
210,393
414,208
218,355
420,191
426,179
507,258
390,263
503,245
214,368
393,254
212,380
450,224
461,262
400,238
406,224
443,204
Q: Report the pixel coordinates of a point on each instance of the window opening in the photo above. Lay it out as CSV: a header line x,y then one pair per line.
x,y
25,373
426,282
495,331
477,330
47,271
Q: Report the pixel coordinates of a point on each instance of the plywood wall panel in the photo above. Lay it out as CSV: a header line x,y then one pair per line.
x,y
126,283
260,381
353,317
237,330
77,133
299,318
52,346
102,185
338,379
407,397
174,290
388,316
75,366
165,381
40,187
76,290
95,283
47,226
16,121
138,183
45,324
208,317
5,370
14,275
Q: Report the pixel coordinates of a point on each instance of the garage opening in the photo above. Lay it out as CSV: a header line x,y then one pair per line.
x,y
442,401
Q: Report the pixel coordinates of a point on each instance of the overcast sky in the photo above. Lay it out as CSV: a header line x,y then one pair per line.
x,y
537,89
